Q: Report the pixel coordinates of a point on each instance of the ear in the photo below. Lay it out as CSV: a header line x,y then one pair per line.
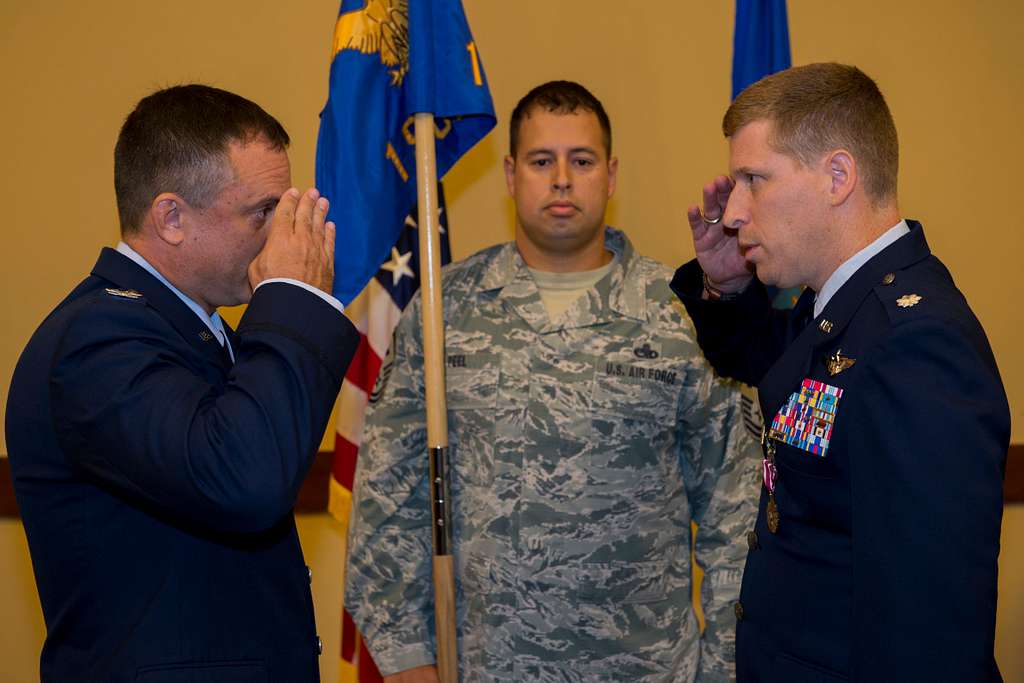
x,y
613,174
510,174
842,170
165,213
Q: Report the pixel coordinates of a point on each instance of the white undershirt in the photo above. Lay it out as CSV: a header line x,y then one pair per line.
x,y
559,290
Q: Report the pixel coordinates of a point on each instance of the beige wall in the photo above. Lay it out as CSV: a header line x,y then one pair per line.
x,y
952,72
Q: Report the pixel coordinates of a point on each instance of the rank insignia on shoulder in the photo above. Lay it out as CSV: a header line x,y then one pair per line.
x,y
908,300
123,293
837,362
383,375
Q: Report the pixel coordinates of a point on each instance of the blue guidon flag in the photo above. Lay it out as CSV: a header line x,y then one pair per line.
x,y
389,62
392,59
760,42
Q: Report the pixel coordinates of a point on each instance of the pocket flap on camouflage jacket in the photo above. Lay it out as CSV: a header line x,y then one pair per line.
x,y
471,380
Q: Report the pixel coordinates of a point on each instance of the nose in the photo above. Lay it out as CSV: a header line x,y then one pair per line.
x,y
737,208
561,179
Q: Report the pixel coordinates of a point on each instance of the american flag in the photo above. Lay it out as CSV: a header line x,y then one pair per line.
x,y
376,313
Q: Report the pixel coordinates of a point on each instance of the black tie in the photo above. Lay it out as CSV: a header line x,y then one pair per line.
x,y
225,355
802,313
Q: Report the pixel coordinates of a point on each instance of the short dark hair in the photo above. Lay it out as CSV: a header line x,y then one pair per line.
x,y
176,140
817,108
559,97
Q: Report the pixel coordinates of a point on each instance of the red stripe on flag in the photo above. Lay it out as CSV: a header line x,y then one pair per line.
x,y
368,671
348,637
344,467
350,643
364,367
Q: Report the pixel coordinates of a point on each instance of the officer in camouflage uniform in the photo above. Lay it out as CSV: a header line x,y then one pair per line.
x,y
582,446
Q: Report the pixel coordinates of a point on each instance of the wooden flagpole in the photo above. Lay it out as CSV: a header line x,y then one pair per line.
x,y
437,411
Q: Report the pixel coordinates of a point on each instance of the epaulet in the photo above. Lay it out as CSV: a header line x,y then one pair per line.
x,y
653,270
906,295
122,294
467,274
657,279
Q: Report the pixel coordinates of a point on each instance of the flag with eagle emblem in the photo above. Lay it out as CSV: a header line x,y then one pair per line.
x,y
391,60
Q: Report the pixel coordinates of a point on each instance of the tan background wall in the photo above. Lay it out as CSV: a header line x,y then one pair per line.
x,y
952,72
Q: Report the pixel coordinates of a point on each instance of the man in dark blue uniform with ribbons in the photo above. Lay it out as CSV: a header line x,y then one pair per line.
x,y
157,453
874,555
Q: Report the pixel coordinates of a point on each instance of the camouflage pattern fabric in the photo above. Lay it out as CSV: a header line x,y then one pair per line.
x,y
581,448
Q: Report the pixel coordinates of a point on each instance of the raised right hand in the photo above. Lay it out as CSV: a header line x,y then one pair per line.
x,y
300,245
717,247
421,674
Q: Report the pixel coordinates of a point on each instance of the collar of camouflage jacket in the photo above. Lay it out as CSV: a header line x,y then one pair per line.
x,y
622,292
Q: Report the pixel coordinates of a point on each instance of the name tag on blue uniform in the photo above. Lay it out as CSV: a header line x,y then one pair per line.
x,y
806,419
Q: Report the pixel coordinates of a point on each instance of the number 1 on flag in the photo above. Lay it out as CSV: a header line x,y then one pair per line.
x,y
471,47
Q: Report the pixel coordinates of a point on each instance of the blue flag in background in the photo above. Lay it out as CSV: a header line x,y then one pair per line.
x,y
760,42
392,59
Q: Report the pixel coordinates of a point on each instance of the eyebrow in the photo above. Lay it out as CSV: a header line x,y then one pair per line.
x,y
268,201
549,150
747,169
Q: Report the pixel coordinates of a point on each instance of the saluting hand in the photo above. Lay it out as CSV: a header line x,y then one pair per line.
x,y
300,245
716,245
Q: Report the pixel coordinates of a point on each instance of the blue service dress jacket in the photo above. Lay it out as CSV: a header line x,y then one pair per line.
x,y
156,479
887,426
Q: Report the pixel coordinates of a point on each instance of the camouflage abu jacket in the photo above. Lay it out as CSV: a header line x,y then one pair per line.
x,y
581,450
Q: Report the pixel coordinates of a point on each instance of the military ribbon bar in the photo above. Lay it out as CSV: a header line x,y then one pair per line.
x,y
807,418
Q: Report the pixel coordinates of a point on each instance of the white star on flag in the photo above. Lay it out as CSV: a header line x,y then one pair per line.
x,y
410,222
398,265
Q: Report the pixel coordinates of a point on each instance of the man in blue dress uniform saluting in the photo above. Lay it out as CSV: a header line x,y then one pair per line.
x,y
874,555
157,453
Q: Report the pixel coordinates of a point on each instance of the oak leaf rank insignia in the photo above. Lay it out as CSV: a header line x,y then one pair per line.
x,y
908,300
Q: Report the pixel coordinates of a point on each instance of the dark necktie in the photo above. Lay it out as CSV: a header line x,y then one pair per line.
x,y
225,354
802,313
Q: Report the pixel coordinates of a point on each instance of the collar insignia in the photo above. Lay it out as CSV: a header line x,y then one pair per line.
x,y
123,293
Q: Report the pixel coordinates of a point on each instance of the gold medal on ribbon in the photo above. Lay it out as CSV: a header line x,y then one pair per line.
x,y
773,515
